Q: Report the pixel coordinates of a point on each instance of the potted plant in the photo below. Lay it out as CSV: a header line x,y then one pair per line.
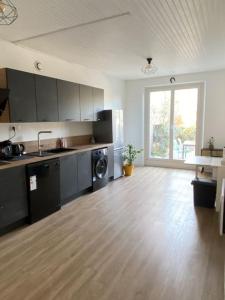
x,y
211,143
129,157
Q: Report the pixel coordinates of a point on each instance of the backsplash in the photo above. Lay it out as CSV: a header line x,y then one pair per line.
x,y
71,141
28,131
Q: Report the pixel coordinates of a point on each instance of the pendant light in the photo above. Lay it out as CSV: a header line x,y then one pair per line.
x,y
8,12
149,68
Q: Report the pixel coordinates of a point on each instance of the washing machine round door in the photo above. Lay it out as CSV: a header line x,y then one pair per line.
x,y
101,167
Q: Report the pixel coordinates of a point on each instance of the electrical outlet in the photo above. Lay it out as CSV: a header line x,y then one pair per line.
x,y
12,130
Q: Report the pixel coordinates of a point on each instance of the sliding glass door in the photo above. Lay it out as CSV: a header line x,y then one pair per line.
x,y
160,102
173,121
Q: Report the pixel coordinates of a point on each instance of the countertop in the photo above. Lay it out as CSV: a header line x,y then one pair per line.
x,y
205,161
34,159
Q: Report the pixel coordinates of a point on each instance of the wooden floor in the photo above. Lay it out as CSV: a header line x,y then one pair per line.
x,y
138,238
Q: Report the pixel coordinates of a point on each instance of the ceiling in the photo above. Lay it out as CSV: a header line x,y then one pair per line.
x,y
116,36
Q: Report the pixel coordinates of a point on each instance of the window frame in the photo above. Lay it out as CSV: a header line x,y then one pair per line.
x,y
170,162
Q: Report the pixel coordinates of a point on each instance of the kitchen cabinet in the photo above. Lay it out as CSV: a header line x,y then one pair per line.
x,y
46,99
68,101
111,161
68,178
36,98
84,170
86,103
22,100
13,200
98,101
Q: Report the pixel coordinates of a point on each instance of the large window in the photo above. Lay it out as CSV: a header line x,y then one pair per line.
x,y
160,123
173,123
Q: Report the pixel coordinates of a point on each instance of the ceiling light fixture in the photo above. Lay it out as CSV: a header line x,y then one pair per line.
x,y
8,12
149,68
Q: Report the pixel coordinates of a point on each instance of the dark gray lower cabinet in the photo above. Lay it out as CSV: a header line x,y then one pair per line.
x,y
75,175
68,177
84,170
13,198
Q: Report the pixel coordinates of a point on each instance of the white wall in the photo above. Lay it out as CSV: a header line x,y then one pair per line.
x,y
214,118
23,59
29,131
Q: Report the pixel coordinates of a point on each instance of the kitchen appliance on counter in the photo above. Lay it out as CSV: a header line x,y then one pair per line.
x,y
99,168
109,129
18,149
5,149
43,181
9,151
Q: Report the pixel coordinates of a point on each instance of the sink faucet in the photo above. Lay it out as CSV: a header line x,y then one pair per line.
x,y
39,140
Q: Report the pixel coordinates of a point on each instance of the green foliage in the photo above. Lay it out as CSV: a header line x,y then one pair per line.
x,y
160,144
185,134
160,141
130,154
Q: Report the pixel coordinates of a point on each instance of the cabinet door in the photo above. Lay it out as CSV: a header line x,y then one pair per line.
x,y
47,100
98,99
68,177
13,200
68,101
84,170
111,161
86,103
22,96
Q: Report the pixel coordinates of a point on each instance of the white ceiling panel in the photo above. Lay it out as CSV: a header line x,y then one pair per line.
x,y
181,35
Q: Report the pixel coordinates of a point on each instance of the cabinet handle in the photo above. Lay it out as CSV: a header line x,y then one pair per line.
x,y
68,120
87,119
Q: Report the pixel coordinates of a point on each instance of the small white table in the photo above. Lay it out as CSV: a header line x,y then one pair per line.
x,y
218,171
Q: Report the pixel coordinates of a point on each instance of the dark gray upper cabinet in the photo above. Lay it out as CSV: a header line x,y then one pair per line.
x,y
98,99
86,103
13,199
68,178
22,96
84,170
36,98
47,99
68,100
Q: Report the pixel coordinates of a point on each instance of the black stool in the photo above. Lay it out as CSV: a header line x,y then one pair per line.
x,y
204,192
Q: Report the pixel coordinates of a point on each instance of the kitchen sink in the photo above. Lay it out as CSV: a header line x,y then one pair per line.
x,y
37,153
50,152
59,150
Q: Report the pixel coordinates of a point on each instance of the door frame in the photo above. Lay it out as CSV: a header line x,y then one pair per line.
x,y
170,163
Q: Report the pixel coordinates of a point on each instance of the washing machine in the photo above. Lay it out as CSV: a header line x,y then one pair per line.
x,y
99,168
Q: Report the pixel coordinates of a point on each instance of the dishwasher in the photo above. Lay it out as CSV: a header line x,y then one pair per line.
x,y
43,180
